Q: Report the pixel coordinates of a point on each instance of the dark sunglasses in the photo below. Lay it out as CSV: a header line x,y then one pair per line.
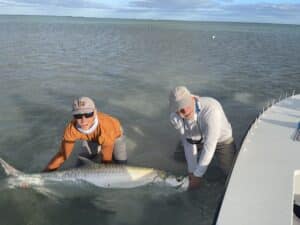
x,y
86,115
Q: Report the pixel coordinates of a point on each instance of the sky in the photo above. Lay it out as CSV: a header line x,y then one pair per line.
x,y
267,11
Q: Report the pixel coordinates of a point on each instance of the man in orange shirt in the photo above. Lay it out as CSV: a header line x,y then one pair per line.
x,y
101,134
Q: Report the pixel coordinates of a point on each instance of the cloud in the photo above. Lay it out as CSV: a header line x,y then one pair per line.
x,y
268,11
56,3
209,10
264,8
214,10
173,4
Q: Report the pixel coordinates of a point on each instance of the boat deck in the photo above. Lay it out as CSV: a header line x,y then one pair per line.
x,y
264,180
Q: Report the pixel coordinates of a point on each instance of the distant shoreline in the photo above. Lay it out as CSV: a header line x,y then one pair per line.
x,y
145,20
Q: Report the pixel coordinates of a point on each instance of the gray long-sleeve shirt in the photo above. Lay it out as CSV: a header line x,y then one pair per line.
x,y
210,124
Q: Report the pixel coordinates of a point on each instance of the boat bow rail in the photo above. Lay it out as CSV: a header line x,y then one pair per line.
x,y
262,186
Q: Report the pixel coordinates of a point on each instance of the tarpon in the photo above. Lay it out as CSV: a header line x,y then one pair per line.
x,y
99,175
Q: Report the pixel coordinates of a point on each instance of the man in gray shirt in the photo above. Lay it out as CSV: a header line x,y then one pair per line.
x,y
203,126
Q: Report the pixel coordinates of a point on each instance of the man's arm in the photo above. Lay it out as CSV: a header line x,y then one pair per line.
x,y
190,152
106,152
65,150
210,142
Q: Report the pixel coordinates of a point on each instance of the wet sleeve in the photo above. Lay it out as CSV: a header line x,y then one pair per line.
x,y
106,152
61,156
212,134
190,151
107,147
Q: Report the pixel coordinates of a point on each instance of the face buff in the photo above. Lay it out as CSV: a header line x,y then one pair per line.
x,y
90,130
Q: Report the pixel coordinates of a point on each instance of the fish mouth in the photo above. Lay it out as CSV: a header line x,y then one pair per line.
x,y
184,183
180,183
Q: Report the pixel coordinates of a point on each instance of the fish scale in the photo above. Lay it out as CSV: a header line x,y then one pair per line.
x,y
99,175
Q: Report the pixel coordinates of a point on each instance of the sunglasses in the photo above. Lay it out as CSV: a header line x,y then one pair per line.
x,y
86,115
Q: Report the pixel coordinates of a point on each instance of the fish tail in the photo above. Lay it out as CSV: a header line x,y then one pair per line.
x,y
9,170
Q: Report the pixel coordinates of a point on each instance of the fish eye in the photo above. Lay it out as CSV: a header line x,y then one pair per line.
x,y
179,179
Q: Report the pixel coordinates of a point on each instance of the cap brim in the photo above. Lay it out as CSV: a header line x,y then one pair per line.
x,y
82,111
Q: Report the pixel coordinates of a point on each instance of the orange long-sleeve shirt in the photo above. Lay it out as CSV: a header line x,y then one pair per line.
x,y
105,134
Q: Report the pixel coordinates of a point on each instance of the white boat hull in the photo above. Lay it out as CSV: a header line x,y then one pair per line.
x,y
265,180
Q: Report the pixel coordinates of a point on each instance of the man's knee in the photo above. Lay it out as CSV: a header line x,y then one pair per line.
x,y
120,152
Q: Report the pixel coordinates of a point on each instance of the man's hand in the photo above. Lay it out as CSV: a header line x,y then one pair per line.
x,y
195,182
46,170
176,121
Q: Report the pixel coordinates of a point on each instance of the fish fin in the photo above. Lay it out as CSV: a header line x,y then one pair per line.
x,y
86,161
54,196
9,170
104,205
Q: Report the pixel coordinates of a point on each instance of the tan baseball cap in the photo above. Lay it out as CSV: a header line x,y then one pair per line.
x,y
180,97
83,105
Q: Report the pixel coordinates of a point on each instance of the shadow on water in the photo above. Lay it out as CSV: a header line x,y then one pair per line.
x,y
28,207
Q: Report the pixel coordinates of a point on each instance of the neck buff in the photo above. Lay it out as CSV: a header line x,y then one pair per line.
x,y
90,130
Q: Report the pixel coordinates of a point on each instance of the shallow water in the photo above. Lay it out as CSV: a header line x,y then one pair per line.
x,y
128,67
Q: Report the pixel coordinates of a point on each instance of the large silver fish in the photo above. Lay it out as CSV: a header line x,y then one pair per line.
x,y
99,175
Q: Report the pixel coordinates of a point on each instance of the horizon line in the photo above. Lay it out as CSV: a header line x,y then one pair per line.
x,y
152,19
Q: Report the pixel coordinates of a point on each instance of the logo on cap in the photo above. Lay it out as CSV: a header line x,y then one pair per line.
x,y
81,103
